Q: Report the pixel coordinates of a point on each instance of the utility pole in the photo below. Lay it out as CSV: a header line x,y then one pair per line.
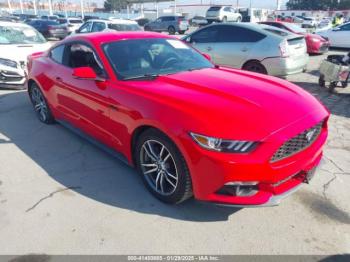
x,y
34,6
21,5
174,7
82,8
9,4
50,7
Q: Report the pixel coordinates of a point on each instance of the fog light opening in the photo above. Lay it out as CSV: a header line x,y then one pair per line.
x,y
239,189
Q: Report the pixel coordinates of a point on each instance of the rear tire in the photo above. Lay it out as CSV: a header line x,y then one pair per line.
x,y
321,81
181,32
332,86
171,30
344,84
170,180
40,105
255,67
239,19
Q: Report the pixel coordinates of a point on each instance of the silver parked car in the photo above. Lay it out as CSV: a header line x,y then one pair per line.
x,y
253,47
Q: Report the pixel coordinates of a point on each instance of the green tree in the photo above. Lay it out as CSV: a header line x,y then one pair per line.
x,y
318,4
111,5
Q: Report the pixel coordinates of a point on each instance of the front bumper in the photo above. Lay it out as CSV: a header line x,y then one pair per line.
x,y
211,171
283,66
12,77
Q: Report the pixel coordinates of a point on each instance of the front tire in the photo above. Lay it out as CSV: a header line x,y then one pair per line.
x,y
40,105
162,167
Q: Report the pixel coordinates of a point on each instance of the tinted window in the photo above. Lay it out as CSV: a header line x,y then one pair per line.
x,y
238,34
345,27
57,54
214,8
80,55
168,18
227,9
85,27
124,27
98,27
207,35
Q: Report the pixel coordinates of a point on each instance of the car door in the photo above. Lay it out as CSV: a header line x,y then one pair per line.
x,y
204,40
84,102
340,36
234,45
156,25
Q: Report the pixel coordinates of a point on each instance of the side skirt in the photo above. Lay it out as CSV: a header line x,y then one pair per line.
x,y
94,141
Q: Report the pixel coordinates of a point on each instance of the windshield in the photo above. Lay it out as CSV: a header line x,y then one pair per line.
x,y
295,28
155,56
20,35
124,27
214,8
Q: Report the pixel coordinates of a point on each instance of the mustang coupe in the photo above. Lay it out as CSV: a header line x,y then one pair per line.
x,y
191,128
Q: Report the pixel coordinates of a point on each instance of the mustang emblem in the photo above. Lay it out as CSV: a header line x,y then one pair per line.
x,y
310,135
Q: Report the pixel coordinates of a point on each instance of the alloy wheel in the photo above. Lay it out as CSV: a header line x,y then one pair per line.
x,y
39,104
158,167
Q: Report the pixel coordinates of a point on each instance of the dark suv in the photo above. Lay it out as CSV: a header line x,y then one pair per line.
x,y
171,24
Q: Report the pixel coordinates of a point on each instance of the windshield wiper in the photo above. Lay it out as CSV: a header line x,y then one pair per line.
x,y
142,77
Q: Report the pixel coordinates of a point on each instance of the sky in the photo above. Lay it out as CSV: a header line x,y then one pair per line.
x,y
271,4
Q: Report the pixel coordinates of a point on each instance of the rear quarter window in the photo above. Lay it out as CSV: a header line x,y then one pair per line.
x,y
56,54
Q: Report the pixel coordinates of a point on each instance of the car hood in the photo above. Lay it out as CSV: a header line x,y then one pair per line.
x,y
20,52
234,99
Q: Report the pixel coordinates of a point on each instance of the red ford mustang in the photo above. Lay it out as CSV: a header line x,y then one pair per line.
x,y
315,44
191,128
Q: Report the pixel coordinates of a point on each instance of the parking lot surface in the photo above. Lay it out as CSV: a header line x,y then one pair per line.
x,y
59,194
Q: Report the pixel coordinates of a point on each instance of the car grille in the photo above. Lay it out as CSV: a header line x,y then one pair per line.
x,y
298,143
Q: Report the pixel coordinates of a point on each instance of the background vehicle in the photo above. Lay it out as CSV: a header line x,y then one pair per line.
x,y
49,28
99,25
17,41
252,47
223,14
338,36
315,43
170,24
309,22
142,21
89,17
198,21
71,23
50,17
126,94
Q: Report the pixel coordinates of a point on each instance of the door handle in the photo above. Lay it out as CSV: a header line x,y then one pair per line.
x,y
59,79
209,48
244,49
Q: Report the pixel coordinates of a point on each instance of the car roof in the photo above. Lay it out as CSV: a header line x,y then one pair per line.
x,y
6,23
111,36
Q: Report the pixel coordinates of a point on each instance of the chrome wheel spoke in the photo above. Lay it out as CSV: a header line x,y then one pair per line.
x,y
158,167
170,175
151,171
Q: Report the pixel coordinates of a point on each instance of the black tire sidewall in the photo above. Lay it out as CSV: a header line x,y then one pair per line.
x,y
250,64
181,191
171,30
49,117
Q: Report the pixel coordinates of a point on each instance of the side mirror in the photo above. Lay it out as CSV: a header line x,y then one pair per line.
x,y
85,73
208,57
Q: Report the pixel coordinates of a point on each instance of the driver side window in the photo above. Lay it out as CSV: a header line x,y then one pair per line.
x,y
81,55
85,28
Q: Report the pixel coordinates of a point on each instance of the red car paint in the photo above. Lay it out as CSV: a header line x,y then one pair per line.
x,y
315,44
217,102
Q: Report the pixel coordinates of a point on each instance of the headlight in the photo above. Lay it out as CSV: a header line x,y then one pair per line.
x,y
221,145
8,62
